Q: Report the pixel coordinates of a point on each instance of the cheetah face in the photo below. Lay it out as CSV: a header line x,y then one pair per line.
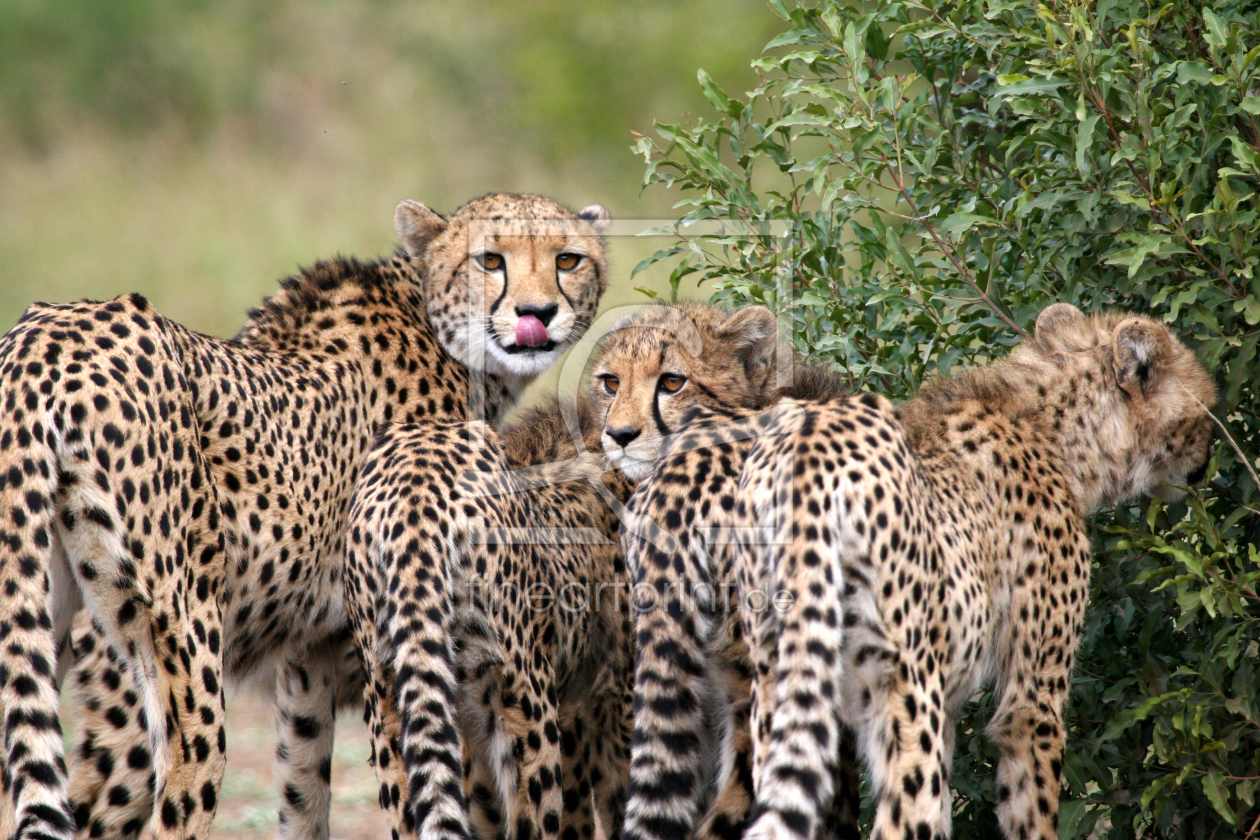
x,y
1143,394
530,284
512,281
1168,395
659,363
1188,448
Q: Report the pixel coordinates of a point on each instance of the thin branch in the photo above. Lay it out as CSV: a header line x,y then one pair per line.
x,y
1097,100
1237,449
1251,832
949,252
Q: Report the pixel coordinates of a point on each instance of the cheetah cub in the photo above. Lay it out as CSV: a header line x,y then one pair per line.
x,y
491,607
915,555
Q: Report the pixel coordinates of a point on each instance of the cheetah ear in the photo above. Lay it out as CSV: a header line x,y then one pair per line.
x,y
1139,349
598,216
1054,316
416,225
755,334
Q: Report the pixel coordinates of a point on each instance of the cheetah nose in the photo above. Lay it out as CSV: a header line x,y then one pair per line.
x,y
530,331
622,437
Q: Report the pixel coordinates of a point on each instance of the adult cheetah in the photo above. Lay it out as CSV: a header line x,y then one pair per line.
x,y
193,491
491,606
918,554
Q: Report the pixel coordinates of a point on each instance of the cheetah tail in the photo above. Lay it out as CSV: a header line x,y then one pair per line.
x,y
668,749
797,775
416,629
32,572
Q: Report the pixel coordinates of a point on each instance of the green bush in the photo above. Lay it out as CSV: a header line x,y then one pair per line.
x,y
945,170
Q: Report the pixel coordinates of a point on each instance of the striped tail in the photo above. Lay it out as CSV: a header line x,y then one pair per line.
x,y
30,569
669,749
408,568
800,560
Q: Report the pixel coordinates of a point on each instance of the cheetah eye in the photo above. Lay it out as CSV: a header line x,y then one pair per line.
x,y
611,383
671,383
567,261
491,261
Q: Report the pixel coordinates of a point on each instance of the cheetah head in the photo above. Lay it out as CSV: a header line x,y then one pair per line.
x,y
511,281
1155,395
658,363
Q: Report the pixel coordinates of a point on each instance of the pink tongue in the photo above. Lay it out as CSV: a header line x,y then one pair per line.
x,y
530,332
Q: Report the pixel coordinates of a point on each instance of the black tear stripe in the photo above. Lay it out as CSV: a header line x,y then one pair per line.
x,y
565,294
656,413
494,307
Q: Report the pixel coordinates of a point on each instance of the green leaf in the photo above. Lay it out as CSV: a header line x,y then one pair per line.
x,y
1218,795
1251,311
962,222
808,298
1215,33
1152,243
1251,104
1029,87
792,36
717,98
1193,71
1084,141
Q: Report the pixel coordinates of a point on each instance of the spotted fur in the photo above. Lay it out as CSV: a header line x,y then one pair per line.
x,y
920,554
442,568
193,490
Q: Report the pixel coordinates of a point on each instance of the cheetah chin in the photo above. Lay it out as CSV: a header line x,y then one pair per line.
x,y
632,466
517,360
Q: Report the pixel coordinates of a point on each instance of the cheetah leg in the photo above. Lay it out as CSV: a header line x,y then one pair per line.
x,y
579,729
34,759
795,645
191,701
156,591
599,739
529,732
667,756
610,760
380,713
380,707
485,811
184,696
794,771
1047,610
841,821
1028,723
111,767
1030,741
306,699
910,760
8,814
728,814
432,752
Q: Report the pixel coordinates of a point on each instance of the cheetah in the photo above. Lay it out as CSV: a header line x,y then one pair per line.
x,y
192,491
919,554
491,607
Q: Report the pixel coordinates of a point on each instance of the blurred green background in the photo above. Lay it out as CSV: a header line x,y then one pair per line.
x,y
198,151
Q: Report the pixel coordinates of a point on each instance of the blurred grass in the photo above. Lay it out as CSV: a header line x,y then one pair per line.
x,y
198,151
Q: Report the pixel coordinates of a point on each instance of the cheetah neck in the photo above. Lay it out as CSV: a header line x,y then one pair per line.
x,y
1067,399
344,308
1088,421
